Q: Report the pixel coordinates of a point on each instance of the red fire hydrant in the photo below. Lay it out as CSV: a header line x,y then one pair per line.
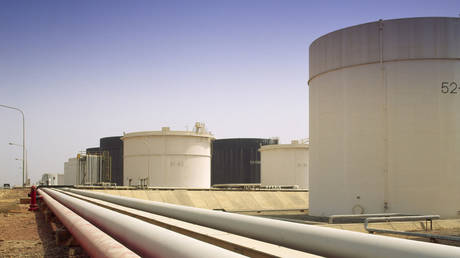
x,y
33,199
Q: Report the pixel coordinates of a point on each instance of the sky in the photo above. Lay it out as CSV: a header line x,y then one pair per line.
x,y
83,70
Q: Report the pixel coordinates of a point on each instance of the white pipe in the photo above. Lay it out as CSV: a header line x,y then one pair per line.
x,y
95,242
312,239
143,238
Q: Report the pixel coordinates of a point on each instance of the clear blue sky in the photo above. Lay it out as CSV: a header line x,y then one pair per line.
x,y
82,70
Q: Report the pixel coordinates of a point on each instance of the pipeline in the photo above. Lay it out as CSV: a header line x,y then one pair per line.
x,y
363,216
416,234
95,242
312,239
143,238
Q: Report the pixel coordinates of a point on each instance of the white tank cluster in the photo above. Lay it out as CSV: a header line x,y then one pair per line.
x,y
52,179
285,165
385,118
168,158
85,169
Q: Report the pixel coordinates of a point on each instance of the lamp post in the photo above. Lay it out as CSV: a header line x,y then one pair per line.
x,y
27,167
23,141
18,159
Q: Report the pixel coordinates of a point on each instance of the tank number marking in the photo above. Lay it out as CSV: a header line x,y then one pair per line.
x,y
449,87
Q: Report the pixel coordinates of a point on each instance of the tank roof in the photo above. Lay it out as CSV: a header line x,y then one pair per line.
x,y
243,139
166,133
198,131
108,138
284,146
384,20
405,39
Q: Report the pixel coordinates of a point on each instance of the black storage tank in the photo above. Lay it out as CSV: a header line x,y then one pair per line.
x,y
94,150
112,151
237,160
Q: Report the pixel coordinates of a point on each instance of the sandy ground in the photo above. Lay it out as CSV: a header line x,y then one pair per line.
x,y
26,234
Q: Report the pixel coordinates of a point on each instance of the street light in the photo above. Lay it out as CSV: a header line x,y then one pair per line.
x,y
23,141
27,167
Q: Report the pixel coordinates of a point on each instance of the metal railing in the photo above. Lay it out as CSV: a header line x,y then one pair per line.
x,y
363,216
427,218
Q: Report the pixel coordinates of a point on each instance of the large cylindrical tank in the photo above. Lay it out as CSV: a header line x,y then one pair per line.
x,y
385,118
49,179
284,164
71,170
92,172
237,160
60,179
167,158
112,164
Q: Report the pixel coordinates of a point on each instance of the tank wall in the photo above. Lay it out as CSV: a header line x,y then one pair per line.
x,y
167,161
60,179
237,161
113,167
385,137
92,169
284,167
168,171
424,128
402,39
70,171
81,170
346,143
167,144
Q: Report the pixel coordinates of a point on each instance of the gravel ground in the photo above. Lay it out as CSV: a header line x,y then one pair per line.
x,y
26,234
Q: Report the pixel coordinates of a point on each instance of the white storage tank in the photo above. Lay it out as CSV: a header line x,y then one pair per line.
x,y
60,179
71,170
168,158
90,169
284,165
49,179
385,118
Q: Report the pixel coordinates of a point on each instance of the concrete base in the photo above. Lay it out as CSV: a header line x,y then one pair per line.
x,y
232,201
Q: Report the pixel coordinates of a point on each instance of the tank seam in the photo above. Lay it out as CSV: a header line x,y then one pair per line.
x,y
384,61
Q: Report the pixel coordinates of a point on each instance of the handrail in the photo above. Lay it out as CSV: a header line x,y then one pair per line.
x,y
408,218
351,216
